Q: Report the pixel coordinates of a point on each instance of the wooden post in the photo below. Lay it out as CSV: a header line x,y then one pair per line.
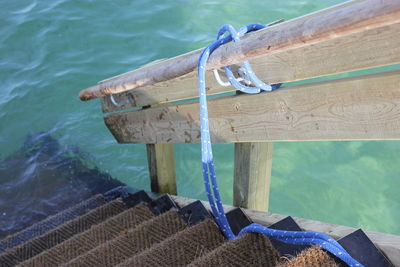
x,y
161,161
252,175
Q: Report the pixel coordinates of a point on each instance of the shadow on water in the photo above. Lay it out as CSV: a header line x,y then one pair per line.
x,y
43,178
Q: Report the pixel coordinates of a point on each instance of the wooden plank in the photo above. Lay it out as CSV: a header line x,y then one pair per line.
x,y
389,244
252,175
358,108
161,161
357,17
371,48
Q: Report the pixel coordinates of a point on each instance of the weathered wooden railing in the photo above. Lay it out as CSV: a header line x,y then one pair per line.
x,y
353,36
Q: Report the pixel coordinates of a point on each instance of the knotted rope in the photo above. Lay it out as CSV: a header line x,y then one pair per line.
x,y
209,175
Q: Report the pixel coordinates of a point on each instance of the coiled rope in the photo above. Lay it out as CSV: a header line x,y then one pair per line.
x,y
209,175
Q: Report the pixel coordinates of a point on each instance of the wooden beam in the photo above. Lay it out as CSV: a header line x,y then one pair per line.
x,y
357,108
352,18
389,244
367,49
252,175
161,161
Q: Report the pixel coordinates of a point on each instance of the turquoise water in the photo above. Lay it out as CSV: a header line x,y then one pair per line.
x,y
50,50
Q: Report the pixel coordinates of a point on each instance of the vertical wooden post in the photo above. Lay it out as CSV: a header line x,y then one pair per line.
x,y
161,161
252,175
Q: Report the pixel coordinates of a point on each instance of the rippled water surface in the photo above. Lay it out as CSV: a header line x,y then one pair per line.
x,y
50,50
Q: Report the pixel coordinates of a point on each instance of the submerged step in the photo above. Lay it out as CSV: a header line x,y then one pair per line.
x,y
51,222
62,233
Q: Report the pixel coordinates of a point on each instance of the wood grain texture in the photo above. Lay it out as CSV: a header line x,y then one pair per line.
x,y
358,108
252,175
353,18
370,48
161,162
389,244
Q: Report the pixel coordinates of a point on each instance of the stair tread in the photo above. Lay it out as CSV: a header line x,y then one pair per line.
x,y
133,241
181,248
51,222
35,246
92,237
248,250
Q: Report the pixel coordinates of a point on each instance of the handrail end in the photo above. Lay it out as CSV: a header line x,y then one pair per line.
x,y
84,96
89,93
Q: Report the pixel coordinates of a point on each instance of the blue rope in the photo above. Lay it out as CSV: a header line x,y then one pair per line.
x,y
209,175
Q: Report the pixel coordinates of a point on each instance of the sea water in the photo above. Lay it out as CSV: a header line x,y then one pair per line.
x,y
50,50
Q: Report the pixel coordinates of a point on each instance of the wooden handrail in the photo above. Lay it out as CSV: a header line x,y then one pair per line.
x,y
317,27
367,49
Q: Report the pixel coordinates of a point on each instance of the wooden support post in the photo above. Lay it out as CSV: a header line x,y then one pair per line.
x,y
252,175
161,161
